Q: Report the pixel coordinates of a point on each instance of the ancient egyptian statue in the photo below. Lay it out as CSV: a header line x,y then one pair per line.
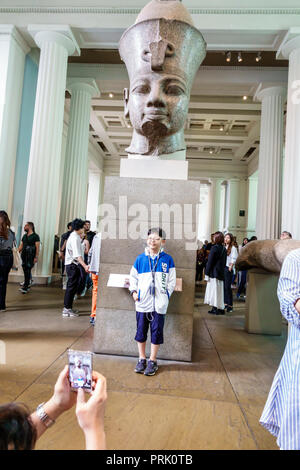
x,y
162,52
265,254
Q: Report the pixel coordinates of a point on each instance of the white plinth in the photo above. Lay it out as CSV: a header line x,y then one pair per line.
x,y
154,168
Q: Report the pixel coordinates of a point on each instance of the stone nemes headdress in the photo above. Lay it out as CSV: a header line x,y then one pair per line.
x,y
163,39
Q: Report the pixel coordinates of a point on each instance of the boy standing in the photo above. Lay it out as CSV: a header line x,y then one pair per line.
x,y
152,281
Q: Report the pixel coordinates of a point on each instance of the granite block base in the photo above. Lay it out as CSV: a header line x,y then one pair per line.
x,y
115,331
263,314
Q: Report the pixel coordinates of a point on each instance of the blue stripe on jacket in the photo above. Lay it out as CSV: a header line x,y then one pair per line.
x,y
165,263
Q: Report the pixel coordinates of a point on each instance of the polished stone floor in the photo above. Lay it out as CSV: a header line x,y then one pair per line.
x,y
212,403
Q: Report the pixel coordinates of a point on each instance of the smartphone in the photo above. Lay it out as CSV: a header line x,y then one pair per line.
x,y
80,369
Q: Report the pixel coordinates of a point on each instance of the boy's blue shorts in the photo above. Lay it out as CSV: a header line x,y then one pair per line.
x,y
156,321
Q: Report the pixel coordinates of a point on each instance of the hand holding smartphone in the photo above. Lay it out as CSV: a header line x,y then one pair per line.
x,y
80,369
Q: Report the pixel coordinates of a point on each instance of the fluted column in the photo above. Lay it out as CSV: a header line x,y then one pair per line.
x,y
13,50
215,203
291,171
252,205
41,200
93,197
233,205
268,213
75,184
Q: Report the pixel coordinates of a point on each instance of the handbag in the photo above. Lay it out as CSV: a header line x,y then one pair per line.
x,y
17,262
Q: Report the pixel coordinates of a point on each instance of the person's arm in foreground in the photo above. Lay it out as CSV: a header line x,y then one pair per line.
x,y
62,400
90,414
288,290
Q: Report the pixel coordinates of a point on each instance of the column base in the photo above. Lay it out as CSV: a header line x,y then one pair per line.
x,y
263,314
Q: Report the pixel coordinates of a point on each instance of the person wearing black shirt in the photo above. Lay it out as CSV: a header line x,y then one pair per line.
x,y
7,239
29,249
214,274
88,232
90,237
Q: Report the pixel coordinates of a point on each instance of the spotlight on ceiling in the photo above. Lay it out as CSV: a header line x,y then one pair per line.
x,y
211,151
221,127
258,57
111,95
245,97
240,58
228,56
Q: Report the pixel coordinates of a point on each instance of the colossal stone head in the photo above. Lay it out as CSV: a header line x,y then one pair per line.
x,y
162,52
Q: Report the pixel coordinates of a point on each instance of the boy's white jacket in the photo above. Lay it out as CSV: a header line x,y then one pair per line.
x,y
141,281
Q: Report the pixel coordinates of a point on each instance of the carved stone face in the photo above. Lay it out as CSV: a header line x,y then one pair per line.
x,y
162,52
157,105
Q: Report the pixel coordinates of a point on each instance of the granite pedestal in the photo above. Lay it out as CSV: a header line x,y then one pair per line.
x,y
262,306
116,323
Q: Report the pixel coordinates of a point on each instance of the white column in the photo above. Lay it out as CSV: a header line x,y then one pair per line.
x,y
41,198
291,171
215,203
268,214
252,204
204,222
233,206
75,184
13,50
93,198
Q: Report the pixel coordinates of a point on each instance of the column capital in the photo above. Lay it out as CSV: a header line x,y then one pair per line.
x,y
60,34
88,85
265,90
253,178
216,179
290,42
9,30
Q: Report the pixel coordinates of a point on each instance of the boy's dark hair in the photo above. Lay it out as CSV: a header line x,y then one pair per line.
x,y
219,238
87,221
69,225
77,224
161,233
16,427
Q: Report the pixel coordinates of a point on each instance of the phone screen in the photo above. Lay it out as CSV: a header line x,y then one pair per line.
x,y
80,369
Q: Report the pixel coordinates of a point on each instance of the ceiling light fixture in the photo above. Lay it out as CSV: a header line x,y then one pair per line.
x,y
211,151
258,57
221,127
245,97
240,58
228,56
111,95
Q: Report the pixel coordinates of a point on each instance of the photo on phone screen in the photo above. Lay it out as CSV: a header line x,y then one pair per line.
x,y
80,369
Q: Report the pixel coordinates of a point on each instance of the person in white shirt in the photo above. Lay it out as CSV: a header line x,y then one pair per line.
x,y
73,260
232,255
